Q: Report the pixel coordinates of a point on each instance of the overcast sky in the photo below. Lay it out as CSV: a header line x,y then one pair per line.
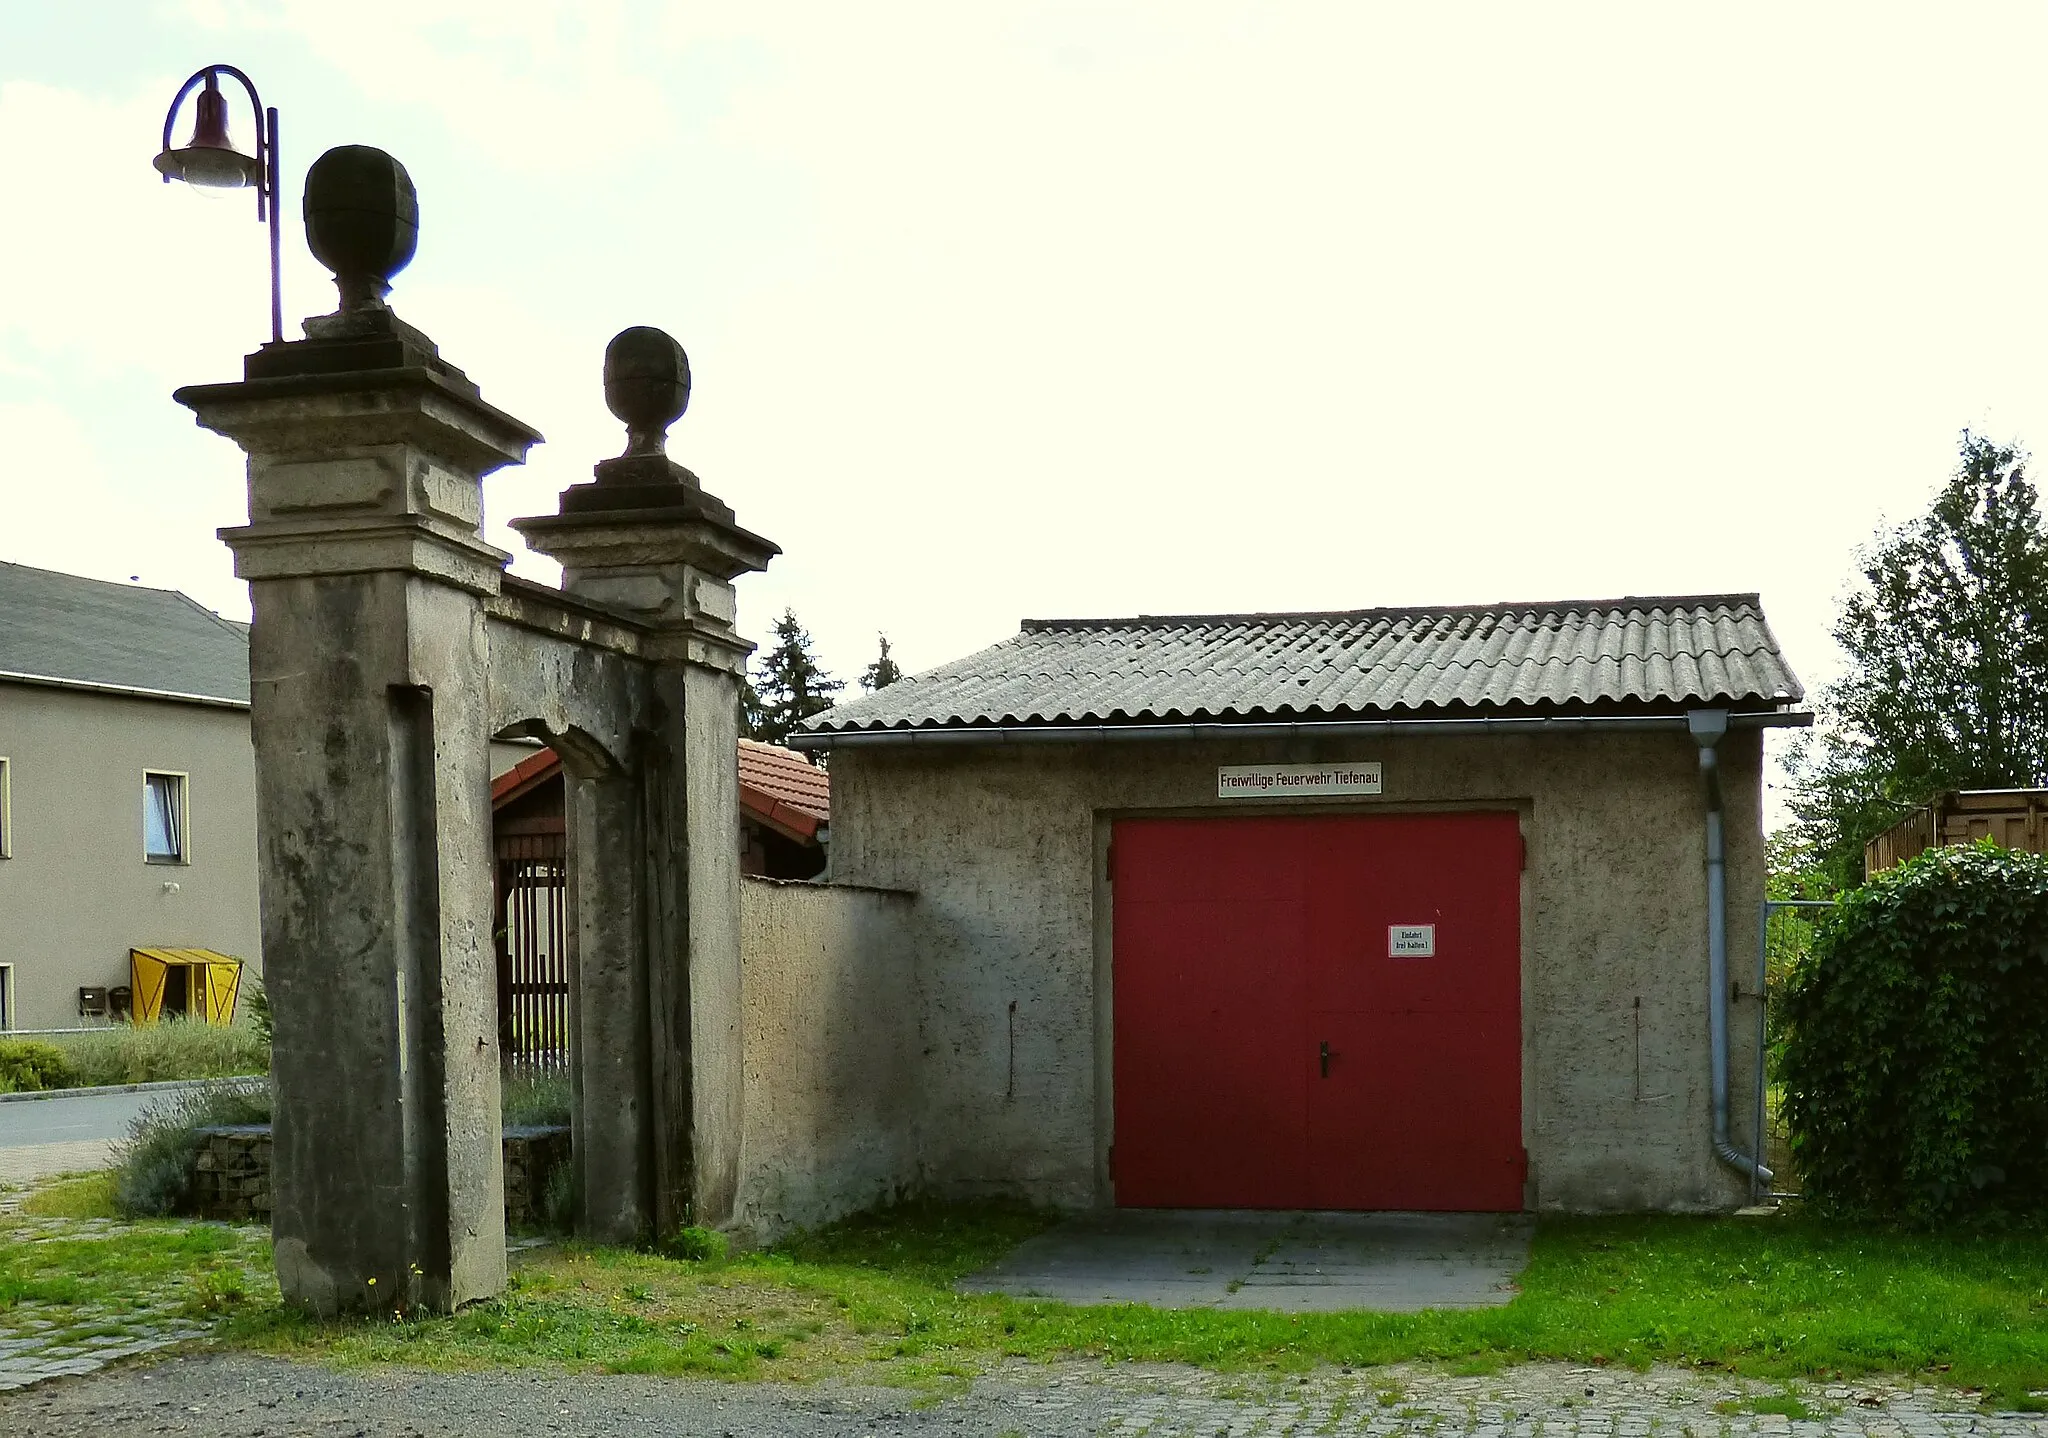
x,y
1088,308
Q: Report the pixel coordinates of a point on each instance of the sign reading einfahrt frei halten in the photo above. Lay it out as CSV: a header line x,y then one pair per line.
x,y
1296,781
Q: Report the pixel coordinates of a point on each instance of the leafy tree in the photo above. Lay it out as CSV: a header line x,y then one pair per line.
x,y
1792,870
883,672
1947,683
789,685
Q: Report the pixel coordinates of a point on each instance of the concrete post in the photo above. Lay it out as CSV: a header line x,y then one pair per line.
x,y
612,1081
367,570
645,539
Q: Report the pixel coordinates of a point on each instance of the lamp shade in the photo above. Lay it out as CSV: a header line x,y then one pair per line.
x,y
210,161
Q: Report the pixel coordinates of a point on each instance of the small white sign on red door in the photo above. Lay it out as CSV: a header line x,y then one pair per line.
x,y
1411,941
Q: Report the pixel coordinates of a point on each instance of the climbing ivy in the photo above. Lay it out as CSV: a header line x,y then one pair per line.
x,y
1916,1058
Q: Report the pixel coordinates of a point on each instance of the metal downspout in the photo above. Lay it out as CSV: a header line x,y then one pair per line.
x,y
1708,726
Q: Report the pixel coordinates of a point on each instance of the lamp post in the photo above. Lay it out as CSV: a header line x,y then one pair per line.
x,y
210,162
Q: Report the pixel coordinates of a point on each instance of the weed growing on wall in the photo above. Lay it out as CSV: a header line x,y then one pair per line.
x,y
536,1100
1916,1057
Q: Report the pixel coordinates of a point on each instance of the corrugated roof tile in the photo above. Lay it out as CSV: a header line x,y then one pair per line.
x,y
1622,652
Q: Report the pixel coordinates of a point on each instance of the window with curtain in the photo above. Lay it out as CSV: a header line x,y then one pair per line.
x,y
163,818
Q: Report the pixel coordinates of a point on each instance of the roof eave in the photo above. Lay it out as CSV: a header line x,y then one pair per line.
x,y
1445,727
122,691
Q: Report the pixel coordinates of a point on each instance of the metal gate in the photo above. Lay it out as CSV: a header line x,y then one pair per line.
x,y
532,878
1784,941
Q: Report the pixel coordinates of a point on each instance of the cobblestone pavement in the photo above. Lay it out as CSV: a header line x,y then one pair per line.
x,y
41,1340
24,1164
195,1393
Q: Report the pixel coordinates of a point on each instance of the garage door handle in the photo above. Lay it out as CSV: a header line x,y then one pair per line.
x,y
1326,1057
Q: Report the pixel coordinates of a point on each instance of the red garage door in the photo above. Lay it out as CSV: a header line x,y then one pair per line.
x,y
1319,1012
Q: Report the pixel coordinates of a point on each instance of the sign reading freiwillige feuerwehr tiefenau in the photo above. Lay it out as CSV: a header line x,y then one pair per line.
x,y
1296,781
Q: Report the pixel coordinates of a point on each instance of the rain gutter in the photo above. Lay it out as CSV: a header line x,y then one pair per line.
x,y
985,734
1708,727
125,691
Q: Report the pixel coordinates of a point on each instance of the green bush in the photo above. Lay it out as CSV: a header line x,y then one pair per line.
x,y
256,1004
153,1175
171,1048
1915,1063
30,1065
695,1245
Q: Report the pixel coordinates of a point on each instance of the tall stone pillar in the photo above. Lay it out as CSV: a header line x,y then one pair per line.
x,y
644,538
367,570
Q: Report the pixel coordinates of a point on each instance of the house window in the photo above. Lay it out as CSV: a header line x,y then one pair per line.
x,y
6,818
163,818
6,998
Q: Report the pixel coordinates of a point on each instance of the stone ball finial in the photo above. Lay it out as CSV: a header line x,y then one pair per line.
x,y
362,221
647,385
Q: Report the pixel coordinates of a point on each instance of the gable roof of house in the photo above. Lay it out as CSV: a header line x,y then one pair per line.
x,y
1570,656
778,787
786,778
89,633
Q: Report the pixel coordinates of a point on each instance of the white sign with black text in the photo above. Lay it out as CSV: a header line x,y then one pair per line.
x,y
1411,941
1296,781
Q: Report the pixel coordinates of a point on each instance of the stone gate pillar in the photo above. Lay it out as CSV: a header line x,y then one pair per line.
x,y
645,539
367,570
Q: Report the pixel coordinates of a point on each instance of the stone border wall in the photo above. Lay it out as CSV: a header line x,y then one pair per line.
x,y
230,1178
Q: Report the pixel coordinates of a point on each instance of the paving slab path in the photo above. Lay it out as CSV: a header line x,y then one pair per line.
x,y
27,1164
1284,1262
254,1397
43,1340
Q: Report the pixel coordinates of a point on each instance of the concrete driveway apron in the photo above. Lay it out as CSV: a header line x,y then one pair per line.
x,y
1282,1262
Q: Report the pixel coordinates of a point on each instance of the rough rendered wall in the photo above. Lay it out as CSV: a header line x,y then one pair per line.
x,y
1005,848
831,1051
77,893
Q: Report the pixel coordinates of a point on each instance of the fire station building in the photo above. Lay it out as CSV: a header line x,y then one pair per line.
x,y
1448,908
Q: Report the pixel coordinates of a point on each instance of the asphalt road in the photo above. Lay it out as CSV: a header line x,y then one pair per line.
x,y
90,1117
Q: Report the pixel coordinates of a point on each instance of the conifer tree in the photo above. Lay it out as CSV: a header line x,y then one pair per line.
x,y
789,685
883,672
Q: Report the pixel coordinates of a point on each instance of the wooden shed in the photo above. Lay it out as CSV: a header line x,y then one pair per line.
x,y
2011,818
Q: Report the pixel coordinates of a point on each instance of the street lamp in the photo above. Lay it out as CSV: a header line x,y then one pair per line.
x,y
211,164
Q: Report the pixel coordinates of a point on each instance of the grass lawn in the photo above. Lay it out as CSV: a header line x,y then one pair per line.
x,y
83,1279
1773,1298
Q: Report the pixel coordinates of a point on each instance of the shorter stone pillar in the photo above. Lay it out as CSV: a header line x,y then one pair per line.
x,y
367,571
645,539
